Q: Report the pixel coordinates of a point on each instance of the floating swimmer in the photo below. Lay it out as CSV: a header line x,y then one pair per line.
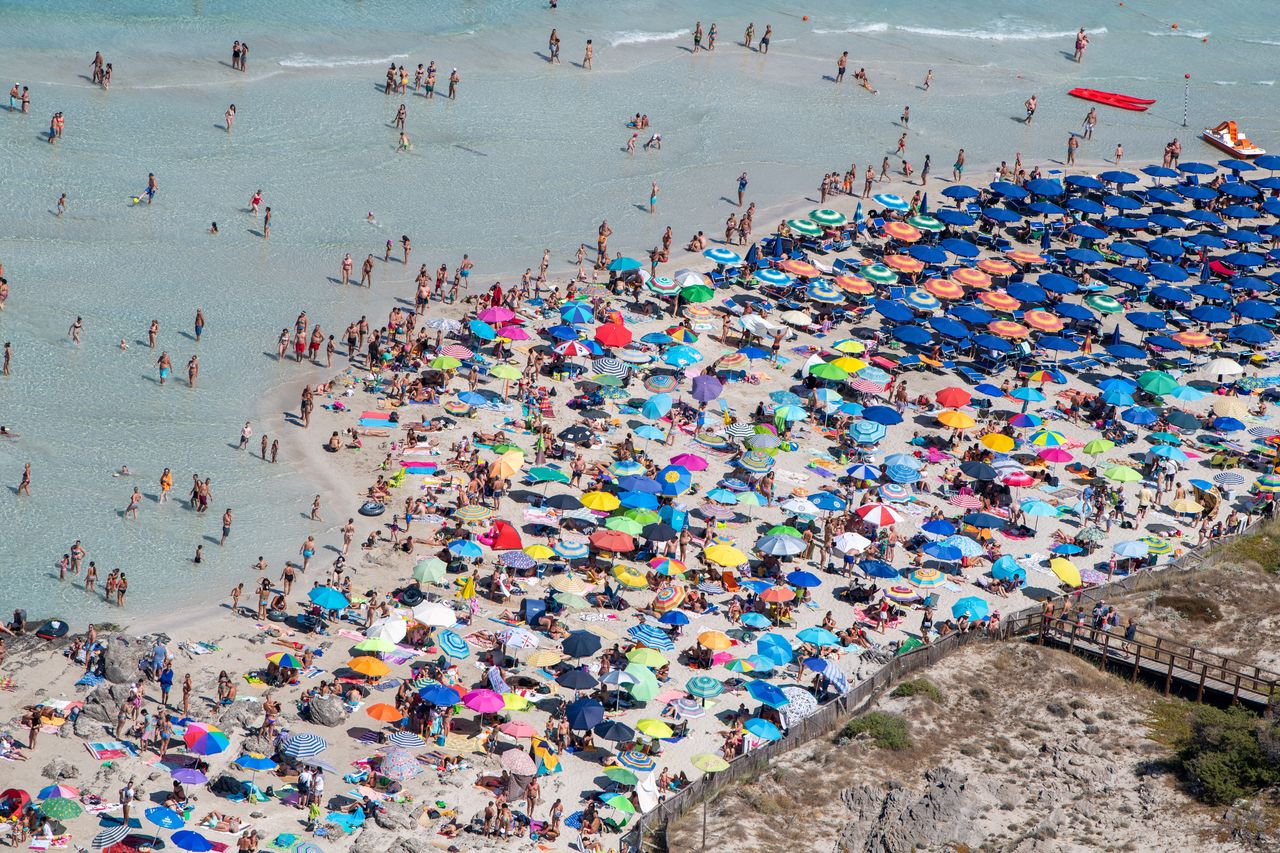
x,y
369,218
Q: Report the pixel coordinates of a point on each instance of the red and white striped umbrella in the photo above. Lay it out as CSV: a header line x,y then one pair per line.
x,y
965,501
456,351
868,386
880,515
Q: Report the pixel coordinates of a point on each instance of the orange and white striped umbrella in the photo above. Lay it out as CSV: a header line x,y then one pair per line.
x,y
902,231
970,277
798,267
903,263
1008,329
994,266
854,284
1000,300
1043,320
1193,339
944,288
1018,256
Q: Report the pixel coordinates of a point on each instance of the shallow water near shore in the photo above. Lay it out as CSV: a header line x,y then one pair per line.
x,y
528,157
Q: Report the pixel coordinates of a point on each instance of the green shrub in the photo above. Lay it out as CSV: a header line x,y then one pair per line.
x,y
919,687
889,731
1222,754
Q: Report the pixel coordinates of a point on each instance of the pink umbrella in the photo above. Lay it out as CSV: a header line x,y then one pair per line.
x,y
1018,478
1056,454
689,461
880,515
513,333
517,729
484,701
497,314
456,351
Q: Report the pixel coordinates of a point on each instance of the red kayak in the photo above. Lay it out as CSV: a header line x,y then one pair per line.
x,y
1114,99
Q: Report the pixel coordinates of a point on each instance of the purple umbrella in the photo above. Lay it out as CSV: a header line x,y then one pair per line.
x,y
706,388
189,776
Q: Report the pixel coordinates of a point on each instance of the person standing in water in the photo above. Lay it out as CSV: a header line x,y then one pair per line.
x,y
164,365
454,80
230,116
153,332
193,370
199,324
653,197
74,331
347,265
749,37
226,526
764,39
266,223
553,48
24,487
1082,42
586,58
841,65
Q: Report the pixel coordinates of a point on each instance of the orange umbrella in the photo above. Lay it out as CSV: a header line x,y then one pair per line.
x,y
1000,300
1193,339
903,231
854,284
777,594
367,665
903,263
801,268
385,713
971,277
1008,329
1018,256
944,289
997,267
1042,320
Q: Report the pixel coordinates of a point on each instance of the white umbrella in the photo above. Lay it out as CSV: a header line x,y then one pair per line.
x,y
755,325
686,277
1222,367
851,543
801,506
434,614
392,629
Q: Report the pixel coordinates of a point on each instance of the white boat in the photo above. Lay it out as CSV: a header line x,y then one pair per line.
x,y
1228,137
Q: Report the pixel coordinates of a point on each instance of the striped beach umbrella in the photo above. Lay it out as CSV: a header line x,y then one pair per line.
x,y
822,291
804,227
610,366
970,277
944,288
662,285
1042,321
878,515
1018,256
854,284
878,273
892,202
1008,329
303,745
1105,304
204,739
903,263
570,550
407,740
473,513
452,644
902,231
999,300
994,266
110,836
925,222
1193,339
722,256
774,277
922,301
1048,438
827,217
795,266
456,351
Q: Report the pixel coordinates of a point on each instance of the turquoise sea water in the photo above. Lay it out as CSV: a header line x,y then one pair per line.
x,y
528,157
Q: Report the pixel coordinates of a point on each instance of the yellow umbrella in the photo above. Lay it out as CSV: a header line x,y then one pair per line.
x,y
654,728
850,346
709,763
630,578
507,465
1230,407
564,583
849,364
539,552
544,657
725,555
1186,505
1066,572
955,419
998,441
514,702
368,666
716,641
601,501
645,656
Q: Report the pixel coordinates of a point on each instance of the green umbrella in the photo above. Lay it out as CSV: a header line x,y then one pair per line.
x,y
543,474
606,379
1098,445
926,223
646,685
804,227
878,273
621,803
505,371
783,530
825,370
1104,303
1122,474
663,285
568,599
704,686
1165,436
642,516
506,448
61,809
430,570
445,362
622,776
1157,382
827,216
625,525
697,293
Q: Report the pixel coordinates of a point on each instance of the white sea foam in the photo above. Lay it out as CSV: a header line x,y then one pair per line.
x,y
301,60
1266,83
878,27
1226,83
1271,42
1011,34
642,37
1190,34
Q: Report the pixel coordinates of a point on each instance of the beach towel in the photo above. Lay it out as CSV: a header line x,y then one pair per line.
x,y
109,750
90,680
376,424
349,822
58,842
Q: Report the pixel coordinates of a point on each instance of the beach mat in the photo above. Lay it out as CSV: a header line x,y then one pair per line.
x,y
376,422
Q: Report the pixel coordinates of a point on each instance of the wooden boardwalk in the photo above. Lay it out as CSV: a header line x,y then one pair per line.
x,y
1174,666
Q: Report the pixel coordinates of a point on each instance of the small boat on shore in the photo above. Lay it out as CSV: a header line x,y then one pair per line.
x,y
1113,99
1228,137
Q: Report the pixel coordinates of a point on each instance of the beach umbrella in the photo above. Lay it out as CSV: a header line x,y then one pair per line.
x,y
204,739
304,745
762,729
110,836
766,693
188,776
328,598
61,809
1065,571
164,818
54,791
973,607
368,665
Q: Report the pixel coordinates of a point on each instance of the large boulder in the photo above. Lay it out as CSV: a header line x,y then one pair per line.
x,y
396,816
103,703
59,769
377,841
120,660
900,820
327,711
243,714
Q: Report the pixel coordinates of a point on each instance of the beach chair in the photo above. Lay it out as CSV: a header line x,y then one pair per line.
x,y
730,581
971,376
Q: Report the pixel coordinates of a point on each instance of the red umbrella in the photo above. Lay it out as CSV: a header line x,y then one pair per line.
x,y
777,594
954,398
613,540
613,335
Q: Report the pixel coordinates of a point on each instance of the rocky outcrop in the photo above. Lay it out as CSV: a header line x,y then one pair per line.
x,y
900,820
377,841
241,714
59,769
327,711
120,659
396,816
103,703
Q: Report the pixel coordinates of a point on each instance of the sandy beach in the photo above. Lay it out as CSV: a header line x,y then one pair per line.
x,y
847,437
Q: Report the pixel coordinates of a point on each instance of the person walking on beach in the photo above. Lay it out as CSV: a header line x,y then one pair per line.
x,y
226,526
902,145
366,272
1030,105
653,197
957,168
1082,42
166,485
742,187
553,48
697,37
749,37
1072,144
928,80
586,58
74,331
193,370
315,509
764,39
841,65
1119,153
229,117
346,269
24,486
924,170
164,365
153,332
245,432
198,325
454,80
1090,122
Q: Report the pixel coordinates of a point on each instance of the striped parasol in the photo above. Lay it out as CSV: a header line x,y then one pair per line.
x,y
111,835
828,217
652,636
854,284
944,288
663,286
970,277
407,740
903,263
1228,478
878,273
473,513
636,760
457,351
902,231
795,266
823,291
756,461
922,300
609,366
999,300
452,644
994,266
804,227
925,222
303,745
456,407
901,594
1193,339
770,276
660,382
878,515
1008,329
740,430
1042,321
1105,304
1018,256
965,501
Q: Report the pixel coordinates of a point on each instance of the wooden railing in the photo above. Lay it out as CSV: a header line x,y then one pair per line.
x,y
648,833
